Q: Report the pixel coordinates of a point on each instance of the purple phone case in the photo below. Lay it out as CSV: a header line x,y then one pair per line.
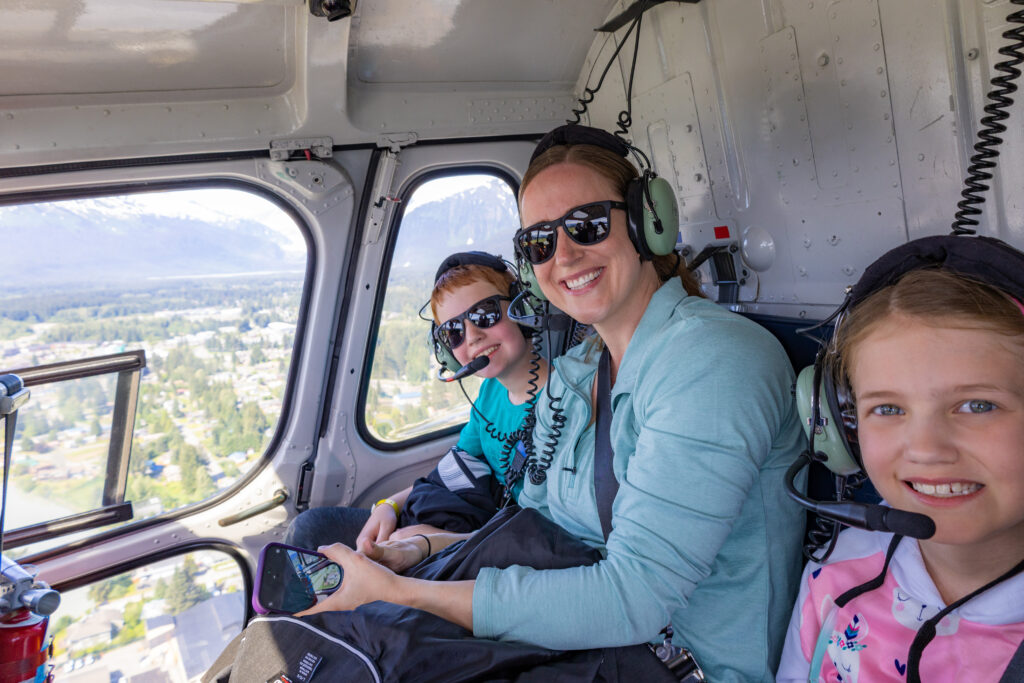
x,y
260,609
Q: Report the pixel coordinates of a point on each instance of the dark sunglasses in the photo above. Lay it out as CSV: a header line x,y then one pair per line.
x,y
483,314
587,224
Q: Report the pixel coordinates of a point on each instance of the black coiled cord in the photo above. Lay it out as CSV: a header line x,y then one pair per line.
x,y
822,537
588,92
625,119
538,465
987,148
524,432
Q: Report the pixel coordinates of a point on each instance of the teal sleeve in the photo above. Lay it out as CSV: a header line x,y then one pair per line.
x,y
470,436
702,429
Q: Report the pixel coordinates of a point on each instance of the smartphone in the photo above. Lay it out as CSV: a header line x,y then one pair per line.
x,y
288,579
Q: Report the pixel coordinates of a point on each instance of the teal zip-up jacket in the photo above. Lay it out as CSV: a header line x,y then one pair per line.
x,y
704,537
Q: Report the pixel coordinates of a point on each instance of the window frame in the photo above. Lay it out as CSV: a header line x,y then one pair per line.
x,y
288,398
394,229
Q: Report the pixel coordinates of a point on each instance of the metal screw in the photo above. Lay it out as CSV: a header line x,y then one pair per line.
x,y
972,54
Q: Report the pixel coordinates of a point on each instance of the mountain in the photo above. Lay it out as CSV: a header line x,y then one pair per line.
x,y
139,238
121,239
481,218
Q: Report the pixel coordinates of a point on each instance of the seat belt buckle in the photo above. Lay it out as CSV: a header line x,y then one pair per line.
x,y
679,660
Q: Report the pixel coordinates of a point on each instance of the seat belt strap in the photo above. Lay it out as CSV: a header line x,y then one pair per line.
x,y
605,483
1015,670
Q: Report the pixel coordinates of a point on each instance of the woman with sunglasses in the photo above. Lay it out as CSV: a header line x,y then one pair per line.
x,y
703,537
470,299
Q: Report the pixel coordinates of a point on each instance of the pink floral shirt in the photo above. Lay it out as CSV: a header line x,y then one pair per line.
x,y
868,639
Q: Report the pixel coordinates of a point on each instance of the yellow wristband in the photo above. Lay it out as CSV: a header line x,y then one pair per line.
x,y
388,501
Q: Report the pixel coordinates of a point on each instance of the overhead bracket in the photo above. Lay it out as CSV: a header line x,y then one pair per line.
x,y
631,13
301,148
332,10
396,141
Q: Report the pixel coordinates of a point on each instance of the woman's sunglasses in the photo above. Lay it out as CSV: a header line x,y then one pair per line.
x,y
483,314
587,224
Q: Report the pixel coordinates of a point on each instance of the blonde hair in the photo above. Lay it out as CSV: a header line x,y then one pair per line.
x,y
619,171
463,276
937,297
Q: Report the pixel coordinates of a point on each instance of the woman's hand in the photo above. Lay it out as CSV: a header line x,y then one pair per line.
x,y
410,531
380,525
364,581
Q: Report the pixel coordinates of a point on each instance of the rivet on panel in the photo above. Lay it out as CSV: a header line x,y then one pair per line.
x,y
920,157
884,93
848,270
802,271
877,47
823,59
972,54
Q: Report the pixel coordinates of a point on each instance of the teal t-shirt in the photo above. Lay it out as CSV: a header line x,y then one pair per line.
x,y
506,417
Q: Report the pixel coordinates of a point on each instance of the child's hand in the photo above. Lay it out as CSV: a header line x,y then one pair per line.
x,y
409,531
379,526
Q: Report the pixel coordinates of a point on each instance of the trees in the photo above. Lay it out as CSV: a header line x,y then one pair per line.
x,y
183,591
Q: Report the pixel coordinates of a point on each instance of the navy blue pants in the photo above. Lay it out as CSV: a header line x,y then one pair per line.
x,y
324,526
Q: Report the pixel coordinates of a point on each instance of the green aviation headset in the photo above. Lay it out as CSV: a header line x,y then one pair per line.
x,y
652,213
444,355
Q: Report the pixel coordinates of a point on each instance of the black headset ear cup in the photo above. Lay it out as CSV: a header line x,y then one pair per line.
x,y
652,215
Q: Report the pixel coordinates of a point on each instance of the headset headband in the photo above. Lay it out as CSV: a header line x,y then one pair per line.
x,y
471,258
984,259
576,134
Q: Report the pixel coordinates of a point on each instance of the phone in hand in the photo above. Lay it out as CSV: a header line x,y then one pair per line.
x,y
288,579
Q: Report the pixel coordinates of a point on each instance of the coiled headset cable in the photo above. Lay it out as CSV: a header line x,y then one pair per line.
x,y
539,464
986,149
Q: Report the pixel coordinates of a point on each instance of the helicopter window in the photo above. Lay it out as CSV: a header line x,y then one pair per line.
x,y
200,288
164,621
442,215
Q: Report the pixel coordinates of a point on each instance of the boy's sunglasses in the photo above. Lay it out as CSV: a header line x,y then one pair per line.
x,y
483,314
587,224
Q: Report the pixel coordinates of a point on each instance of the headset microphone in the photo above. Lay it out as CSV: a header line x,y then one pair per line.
x,y
861,515
473,366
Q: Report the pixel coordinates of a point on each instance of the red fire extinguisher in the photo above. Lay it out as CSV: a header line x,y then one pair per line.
x,y
24,648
